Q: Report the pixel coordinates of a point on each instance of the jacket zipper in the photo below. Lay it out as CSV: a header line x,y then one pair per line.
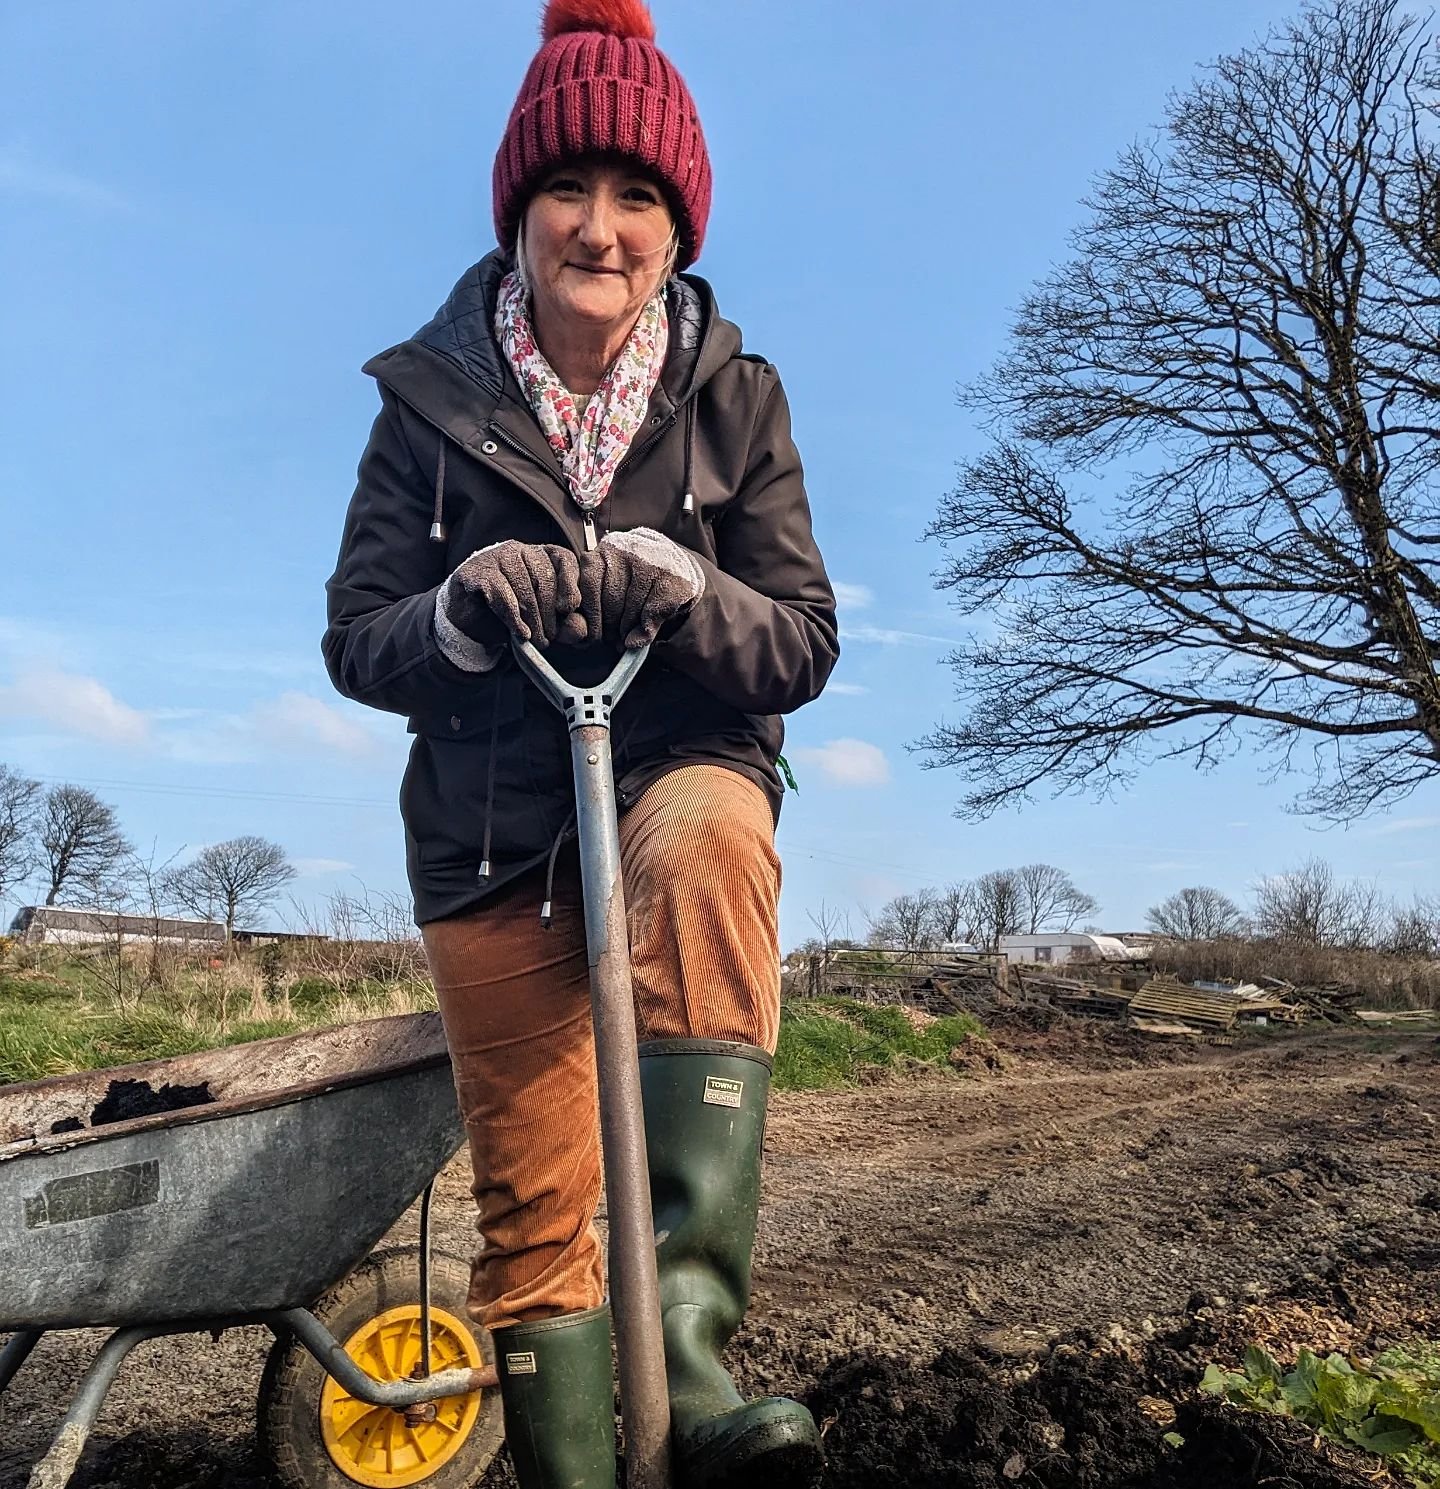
x,y
633,456
509,440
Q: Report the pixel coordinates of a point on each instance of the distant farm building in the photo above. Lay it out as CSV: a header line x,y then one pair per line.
x,y
54,925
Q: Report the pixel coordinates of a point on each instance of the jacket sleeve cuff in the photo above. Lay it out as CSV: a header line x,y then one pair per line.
x,y
464,651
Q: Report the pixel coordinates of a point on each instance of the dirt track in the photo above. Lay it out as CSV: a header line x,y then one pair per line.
x,y
1079,1190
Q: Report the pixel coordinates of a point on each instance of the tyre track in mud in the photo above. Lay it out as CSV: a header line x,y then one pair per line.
x,y
904,1218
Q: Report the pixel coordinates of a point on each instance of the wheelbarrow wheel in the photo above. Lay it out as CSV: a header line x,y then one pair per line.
x,y
316,1436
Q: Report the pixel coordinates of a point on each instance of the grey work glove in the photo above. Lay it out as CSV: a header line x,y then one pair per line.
x,y
530,590
634,583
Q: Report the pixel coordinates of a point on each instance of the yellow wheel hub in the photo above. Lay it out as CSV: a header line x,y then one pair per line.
x,y
374,1445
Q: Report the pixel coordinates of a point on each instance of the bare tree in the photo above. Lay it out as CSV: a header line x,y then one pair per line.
x,y
997,908
19,801
243,874
1368,915
831,925
1051,898
80,842
1246,339
1196,914
954,914
907,923
133,918
1415,928
1310,906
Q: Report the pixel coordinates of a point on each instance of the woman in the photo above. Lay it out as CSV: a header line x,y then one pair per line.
x,y
575,450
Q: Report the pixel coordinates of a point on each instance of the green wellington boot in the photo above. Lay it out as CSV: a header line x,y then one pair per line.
x,y
704,1124
559,1397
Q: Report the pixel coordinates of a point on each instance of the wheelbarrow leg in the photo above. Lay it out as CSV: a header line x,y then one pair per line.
x,y
54,1469
15,1353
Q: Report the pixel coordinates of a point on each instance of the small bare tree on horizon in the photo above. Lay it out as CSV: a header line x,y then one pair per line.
x,y
1312,906
1004,902
224,880
80,844
1198,913
1052,900
19,803
1211,512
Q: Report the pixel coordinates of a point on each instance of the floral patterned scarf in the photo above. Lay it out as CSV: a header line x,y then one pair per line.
x,y
590,446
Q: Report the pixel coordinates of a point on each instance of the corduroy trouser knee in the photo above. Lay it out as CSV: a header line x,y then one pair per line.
x,y
702,888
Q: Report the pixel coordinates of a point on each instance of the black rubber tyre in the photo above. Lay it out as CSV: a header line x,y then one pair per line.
x,y
288,1416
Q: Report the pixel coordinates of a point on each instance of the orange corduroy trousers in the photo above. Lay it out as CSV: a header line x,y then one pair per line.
x,y
702,888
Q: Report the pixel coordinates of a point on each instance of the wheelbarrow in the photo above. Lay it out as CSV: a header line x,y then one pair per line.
x,y
259,1205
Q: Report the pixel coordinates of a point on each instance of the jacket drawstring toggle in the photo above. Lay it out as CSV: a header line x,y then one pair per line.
x,y
547,909
688,505
484,873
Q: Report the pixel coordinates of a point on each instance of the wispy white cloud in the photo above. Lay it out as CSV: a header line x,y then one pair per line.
x,y
884,636
23,173
847,689
301,721
847,762
852,596
75,705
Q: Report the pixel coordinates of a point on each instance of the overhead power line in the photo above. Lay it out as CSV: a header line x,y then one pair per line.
x,y
218,793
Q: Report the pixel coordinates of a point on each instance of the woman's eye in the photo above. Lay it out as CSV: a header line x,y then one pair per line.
x,y
642,194
564,186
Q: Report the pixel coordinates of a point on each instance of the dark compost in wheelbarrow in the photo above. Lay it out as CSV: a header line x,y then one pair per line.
x,y
259,1198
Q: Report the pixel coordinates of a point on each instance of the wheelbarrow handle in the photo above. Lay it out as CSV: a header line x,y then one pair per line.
x,y
580,705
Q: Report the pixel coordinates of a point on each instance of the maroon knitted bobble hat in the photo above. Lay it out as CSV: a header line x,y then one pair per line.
x,y
599,83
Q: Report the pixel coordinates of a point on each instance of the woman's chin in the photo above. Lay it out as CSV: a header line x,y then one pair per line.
x,y
593,305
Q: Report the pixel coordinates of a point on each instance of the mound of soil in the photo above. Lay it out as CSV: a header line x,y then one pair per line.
x,y
1082,1418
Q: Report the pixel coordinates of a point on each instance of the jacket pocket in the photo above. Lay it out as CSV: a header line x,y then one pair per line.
x,y
475,712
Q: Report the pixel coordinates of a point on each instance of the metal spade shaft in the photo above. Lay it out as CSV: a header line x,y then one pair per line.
x,y
634,1285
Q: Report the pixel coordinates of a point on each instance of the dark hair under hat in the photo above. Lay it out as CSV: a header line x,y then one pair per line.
x,y
600,84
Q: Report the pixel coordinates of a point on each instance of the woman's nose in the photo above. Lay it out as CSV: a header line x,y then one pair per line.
x,y
597,230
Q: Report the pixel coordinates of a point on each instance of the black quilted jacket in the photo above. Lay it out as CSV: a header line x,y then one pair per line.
x,y
760,642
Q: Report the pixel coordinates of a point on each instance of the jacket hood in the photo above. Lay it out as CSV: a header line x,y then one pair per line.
x,y
454,356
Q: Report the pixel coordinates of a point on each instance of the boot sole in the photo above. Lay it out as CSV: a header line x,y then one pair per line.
x,y
781,1454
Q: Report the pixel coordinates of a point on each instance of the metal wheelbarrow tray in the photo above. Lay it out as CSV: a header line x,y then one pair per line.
x,y
243,1209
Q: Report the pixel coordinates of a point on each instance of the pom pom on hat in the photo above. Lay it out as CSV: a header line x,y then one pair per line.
x,y
613,17
599,84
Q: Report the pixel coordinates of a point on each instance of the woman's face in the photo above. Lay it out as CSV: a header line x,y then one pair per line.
x,y
597,240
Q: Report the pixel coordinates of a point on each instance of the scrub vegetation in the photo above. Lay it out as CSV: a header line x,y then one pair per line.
x,y
60,1010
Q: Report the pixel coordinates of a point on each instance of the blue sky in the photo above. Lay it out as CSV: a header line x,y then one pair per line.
x,y
211,215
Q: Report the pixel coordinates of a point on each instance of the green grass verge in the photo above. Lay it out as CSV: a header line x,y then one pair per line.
x,y
36,1042
830,1042
54,1024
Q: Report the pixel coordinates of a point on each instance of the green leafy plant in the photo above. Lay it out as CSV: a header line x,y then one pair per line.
x,y
1390,1406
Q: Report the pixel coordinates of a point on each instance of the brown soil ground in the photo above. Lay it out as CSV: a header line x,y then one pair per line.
x,y
986,1281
